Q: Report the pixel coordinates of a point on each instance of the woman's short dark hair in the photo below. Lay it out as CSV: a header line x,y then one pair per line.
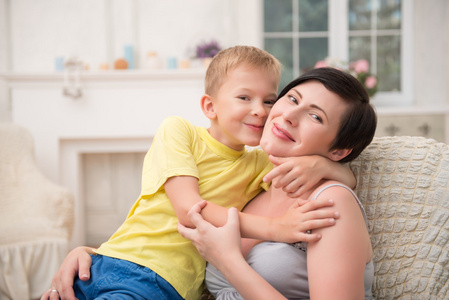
x,y
358,124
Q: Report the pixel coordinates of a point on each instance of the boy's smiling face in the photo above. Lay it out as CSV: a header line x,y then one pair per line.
x,y
240,107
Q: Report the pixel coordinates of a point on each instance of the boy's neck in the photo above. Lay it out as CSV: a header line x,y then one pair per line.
x,y
213,133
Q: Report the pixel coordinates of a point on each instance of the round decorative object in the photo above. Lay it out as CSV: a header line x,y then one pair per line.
x,y
120,64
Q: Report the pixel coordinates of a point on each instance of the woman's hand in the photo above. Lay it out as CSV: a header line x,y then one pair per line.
x,y
215,244
77,263
220,246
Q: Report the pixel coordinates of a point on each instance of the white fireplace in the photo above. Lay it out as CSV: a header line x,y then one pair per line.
x,y
118,113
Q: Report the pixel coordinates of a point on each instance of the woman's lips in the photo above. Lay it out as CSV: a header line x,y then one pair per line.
x,y
281,133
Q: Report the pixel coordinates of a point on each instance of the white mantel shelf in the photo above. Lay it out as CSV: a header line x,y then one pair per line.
x,y
107,75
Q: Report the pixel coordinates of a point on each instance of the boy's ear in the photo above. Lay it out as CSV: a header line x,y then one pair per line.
x,y
207,106
338,154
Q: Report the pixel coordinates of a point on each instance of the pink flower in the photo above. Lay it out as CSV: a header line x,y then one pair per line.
x,y
321,64
361,66
370,82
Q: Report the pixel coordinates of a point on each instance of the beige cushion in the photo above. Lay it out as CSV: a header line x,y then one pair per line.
x,y
403,183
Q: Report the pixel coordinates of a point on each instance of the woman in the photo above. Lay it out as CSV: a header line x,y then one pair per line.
x,y
324,112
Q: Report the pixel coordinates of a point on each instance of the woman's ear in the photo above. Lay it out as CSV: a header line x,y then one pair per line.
x,y
339,154
207,106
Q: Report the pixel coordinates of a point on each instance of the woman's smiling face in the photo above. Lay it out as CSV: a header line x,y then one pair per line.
x,y
305,121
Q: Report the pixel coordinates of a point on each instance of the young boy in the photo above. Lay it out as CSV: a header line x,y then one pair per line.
x,y
146,258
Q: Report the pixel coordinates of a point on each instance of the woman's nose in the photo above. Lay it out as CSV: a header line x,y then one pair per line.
x,y
290,117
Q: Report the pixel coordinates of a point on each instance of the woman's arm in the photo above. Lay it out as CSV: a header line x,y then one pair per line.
x,y
76,263
220,246
338,261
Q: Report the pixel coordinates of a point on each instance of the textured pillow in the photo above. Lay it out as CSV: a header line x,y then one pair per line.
x,y
403,183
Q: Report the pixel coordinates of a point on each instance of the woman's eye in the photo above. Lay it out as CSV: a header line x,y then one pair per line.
x,y
317,117
245,98
293,99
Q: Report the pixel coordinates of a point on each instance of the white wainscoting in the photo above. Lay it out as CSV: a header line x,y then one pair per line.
x,y
111,183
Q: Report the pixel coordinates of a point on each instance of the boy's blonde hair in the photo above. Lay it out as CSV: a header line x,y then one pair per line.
x,y
230,58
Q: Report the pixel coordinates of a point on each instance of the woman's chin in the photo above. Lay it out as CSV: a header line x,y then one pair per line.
x,y
270,149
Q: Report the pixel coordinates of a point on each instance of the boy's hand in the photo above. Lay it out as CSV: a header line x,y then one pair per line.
x,y
296,175
294,224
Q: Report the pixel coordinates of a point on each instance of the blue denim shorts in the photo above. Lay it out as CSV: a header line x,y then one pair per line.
x,y
113,278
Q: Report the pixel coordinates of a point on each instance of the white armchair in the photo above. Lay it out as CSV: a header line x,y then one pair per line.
x,y
36,219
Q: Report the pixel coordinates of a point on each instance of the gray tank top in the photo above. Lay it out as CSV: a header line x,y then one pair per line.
x,y
283,265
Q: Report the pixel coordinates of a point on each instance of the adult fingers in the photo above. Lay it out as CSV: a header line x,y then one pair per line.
x,y
84,268
195,213
51,294
233,218
185,232
46,295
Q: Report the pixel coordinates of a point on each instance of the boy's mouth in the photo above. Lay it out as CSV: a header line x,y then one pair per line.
x,y
281,133
255,127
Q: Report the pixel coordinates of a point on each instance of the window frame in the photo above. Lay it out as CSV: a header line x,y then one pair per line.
x,y
338,35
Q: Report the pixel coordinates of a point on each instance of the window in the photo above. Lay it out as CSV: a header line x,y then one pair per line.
x,y
301,32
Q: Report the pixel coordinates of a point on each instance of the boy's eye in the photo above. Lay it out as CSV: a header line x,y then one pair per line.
x,y
270,102
245,98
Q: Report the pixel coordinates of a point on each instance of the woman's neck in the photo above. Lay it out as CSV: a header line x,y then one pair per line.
x,y
279,201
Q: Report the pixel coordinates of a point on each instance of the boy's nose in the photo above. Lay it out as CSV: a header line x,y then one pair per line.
x,y
259,110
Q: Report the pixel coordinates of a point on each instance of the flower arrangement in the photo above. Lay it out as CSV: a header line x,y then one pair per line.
x,y
207,49
359,69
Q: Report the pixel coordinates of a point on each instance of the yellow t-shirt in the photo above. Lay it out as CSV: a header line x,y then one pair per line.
x,y
149,236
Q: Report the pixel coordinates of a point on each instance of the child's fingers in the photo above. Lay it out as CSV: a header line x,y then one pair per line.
x,y
275,172
318,223
279,169
316,204
308,237
277,160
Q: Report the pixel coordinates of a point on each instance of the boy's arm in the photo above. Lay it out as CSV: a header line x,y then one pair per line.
x,y
183,193
296,175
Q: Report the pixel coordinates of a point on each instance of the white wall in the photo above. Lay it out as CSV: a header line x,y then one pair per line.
x,y
5,110
34,32
431,52
96,31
